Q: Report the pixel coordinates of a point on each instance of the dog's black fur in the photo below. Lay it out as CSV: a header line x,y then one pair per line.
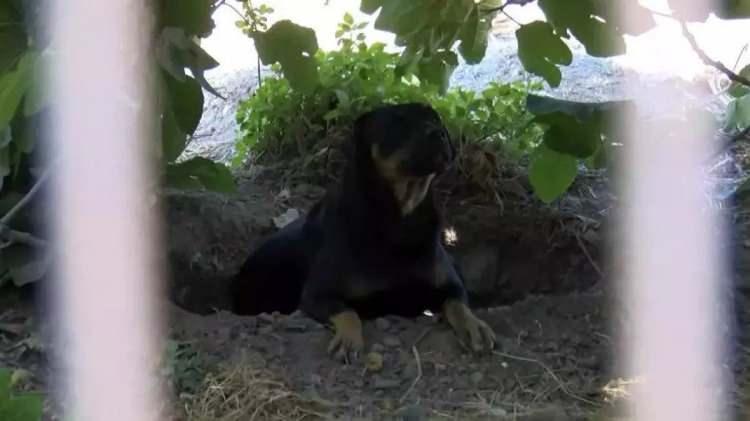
x,y
372,246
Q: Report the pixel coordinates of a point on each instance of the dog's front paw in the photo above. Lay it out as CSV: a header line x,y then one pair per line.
x,y
471,331
347,343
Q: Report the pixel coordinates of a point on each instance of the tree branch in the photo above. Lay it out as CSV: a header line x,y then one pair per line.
x,y
708,60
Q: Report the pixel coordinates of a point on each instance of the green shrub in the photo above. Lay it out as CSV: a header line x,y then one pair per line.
x,y
278,122
17,406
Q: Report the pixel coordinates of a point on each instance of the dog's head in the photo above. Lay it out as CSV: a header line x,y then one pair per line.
x,y
408,146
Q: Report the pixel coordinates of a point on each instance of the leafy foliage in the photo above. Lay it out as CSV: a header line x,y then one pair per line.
x,y
16,406
359,77
25,103
182,366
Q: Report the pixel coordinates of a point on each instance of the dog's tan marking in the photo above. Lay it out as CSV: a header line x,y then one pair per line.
x,y
468,327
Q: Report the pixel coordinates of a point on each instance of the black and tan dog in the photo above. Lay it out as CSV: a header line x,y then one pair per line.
x,y
372,245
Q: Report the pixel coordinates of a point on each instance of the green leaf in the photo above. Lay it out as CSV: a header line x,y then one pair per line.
x,y
599,159
540,51
404,18
738,113
26,407
733,9
194,16
173,140
542,104
474,38
737,89
4,164
293,47
186,100
4,136
13,86
29,271
370,6
437,70
551,173
200,173
25,133
5,378
600,115
13,38
567,135
348,19
38,95
579,17
175,52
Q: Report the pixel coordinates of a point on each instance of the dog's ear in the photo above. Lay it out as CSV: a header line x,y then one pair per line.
x,y
451,147
365,129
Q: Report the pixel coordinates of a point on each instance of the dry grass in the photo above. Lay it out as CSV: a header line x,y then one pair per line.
x,y
246,391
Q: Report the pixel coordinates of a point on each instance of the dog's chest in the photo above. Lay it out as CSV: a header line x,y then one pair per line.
x,y
383,275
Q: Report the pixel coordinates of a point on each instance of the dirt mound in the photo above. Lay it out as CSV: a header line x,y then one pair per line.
x,y
554,352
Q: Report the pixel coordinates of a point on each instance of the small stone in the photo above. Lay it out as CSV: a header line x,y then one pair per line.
x,y
476,377
379,348
382,324
545,414
374,361
412,413
265,317
316,379
298,314
591,361
392,341
295,326
382,383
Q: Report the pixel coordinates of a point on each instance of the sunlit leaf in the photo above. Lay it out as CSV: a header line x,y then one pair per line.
x,y
578,18
738,113
737,89
13,87
293,47
541,51
438,69
38,95
474,38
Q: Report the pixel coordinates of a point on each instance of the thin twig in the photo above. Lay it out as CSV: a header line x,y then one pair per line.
x,y
588,256
21,237
422,335
739,56
501,9
12,236
416,379
549,371
236,11
25,200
